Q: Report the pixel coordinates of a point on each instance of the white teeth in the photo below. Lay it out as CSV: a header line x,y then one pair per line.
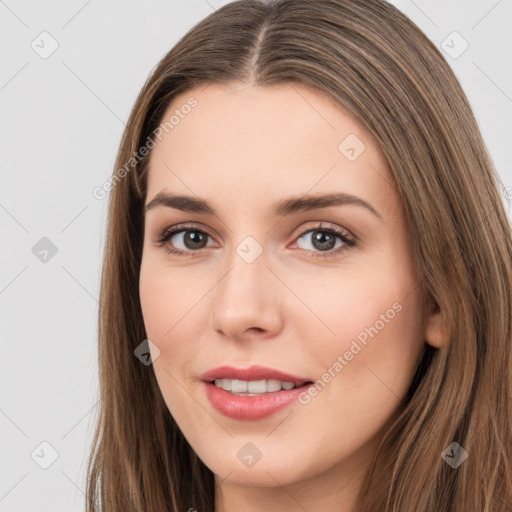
x,y
257,386
273,385
253,386
238,386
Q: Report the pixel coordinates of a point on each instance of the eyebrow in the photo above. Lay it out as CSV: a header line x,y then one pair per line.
x,y
279,208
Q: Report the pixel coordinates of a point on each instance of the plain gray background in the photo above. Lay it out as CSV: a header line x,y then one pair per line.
x,y
61,122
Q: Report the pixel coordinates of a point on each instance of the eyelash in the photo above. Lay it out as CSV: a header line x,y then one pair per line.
x,y
348,241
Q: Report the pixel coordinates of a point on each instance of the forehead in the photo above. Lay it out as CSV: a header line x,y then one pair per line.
x,y
247,140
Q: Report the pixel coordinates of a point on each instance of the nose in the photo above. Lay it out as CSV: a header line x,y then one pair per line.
x,y
245,302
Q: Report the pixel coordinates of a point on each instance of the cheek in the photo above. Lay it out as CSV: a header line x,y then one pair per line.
x,y
166,296
366,367
364,322
168,318
174,318
344,306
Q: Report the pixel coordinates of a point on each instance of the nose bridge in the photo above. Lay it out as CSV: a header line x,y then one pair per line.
x,y
244,298
247,266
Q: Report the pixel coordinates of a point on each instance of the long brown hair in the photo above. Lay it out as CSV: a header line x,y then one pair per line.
x,y
376,63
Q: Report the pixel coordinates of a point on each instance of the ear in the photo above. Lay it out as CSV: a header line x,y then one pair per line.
x,y
436,333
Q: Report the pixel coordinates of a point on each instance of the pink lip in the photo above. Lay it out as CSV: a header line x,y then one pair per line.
x,y
252,373
251,407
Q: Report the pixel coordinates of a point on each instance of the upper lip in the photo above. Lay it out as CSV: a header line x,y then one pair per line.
x,y
252,373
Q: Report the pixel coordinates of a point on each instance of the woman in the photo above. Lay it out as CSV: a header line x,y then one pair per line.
x,y
306,291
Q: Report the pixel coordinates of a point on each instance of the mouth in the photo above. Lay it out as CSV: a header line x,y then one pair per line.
x,y
252,393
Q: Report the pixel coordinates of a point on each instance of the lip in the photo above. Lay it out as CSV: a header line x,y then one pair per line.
x,y
251,407
252,373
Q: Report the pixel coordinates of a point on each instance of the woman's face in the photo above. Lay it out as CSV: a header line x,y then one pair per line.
x,y
261,281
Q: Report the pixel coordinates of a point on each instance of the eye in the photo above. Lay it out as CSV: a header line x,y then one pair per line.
x,y
192,240
323,240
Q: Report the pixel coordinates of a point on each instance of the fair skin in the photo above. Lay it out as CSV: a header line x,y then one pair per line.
x,y
242,148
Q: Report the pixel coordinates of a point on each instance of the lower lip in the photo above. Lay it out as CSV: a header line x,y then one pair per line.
x,y
251,407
